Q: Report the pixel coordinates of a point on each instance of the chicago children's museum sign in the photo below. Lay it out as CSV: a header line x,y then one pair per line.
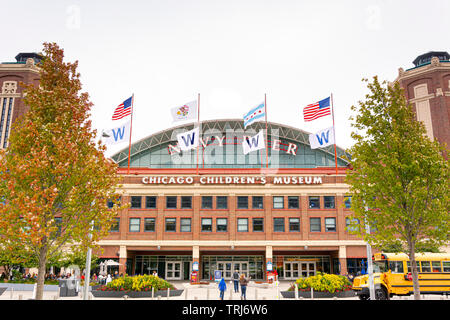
x,y
232,180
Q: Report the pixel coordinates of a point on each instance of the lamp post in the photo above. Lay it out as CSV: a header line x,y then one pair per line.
x,y
369,264
87,275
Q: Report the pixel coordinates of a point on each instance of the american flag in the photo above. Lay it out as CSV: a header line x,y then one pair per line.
x,y
316,110
123,109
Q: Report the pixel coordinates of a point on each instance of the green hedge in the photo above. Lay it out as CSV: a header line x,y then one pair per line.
x,y
137,283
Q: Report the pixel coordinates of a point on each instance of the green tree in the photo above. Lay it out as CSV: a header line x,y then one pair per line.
x,y
54,177
399,180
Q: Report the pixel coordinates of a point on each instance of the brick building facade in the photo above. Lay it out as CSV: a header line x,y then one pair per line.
x,y
427,87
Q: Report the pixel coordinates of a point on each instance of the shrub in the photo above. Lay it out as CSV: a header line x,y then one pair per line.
x,y
137,283
323,282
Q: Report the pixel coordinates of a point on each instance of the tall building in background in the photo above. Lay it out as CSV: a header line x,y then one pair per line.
x,y
427,88
11,105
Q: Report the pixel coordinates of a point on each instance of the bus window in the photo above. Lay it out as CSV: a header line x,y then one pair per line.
x,y
380,266
436,266
446,265
396,266
408,264
426,266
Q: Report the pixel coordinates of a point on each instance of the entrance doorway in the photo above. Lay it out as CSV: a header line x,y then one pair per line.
x,y
297,269
174,270
228,267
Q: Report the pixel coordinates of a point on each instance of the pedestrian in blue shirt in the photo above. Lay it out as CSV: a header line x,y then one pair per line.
x,y
222,288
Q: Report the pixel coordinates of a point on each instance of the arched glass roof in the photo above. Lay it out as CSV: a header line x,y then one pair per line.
x,y
221,147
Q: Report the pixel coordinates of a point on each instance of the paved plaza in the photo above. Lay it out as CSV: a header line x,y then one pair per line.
x,y
205,292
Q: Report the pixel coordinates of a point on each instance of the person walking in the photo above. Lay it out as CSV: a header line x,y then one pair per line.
x,y
236,281
222,288
243,281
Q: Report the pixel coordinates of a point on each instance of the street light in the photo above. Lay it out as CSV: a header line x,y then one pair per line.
x,y
87,275
369,263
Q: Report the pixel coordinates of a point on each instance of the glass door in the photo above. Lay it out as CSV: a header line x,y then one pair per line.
x,y
308,269
241,268
173,270
225,268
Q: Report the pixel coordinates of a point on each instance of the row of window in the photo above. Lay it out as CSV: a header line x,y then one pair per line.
x,y
243,202
422,266
257,224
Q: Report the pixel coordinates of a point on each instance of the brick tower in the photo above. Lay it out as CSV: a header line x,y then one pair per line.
x,y
11,105
427,88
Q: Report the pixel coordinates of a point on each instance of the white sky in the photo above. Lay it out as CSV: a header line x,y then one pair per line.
x,y
231,52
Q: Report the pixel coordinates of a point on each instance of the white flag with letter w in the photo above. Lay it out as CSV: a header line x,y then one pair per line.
x,y
188,140
254,143
322,138
118,134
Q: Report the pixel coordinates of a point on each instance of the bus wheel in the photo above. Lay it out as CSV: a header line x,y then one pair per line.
x,y
381,294
363,297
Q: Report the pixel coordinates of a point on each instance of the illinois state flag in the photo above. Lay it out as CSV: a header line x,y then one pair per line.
x,y
253,143
316,110
123,109
185,112
188,140
118,134
322,138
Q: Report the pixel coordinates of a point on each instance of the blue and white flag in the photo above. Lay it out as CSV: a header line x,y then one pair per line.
x,y
118,134
322,138
256,114
253,143
188,140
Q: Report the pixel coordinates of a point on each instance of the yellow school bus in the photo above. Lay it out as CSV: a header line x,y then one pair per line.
x,y
392,275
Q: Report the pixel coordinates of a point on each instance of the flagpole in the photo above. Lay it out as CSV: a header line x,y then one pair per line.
x,y
198,123
334,134
267,141
131,128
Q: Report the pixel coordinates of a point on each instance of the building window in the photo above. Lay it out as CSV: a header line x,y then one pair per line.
x,y
314,224
351,224
278,224
257,202
242,225
258,224
221,224
58,222
293,203
171,202
221,202
186,202
206,224
294,224
150,202
328,202
185,225
278,202
207,202
5,141
115,226
135,224
314,202
136,202
242,202
149,225
171,224
330,224
348,202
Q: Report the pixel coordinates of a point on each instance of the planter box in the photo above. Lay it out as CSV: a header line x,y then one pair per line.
x,y
135,294
318,294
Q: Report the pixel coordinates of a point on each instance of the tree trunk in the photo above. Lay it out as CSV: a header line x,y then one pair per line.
x,y
414,273
41,273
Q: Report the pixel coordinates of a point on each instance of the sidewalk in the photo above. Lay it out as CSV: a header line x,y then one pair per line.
x,y
207,292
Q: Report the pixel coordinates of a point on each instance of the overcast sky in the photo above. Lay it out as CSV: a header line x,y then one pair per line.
x,y
231,52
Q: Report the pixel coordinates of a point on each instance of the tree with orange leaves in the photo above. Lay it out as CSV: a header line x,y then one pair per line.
x,y
54,177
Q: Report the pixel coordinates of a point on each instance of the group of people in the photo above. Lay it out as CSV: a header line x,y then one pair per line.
x,y
237,280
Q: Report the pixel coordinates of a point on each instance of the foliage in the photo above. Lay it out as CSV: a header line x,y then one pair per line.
x,y
137,283
399,180
77,257
54,177
323,282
